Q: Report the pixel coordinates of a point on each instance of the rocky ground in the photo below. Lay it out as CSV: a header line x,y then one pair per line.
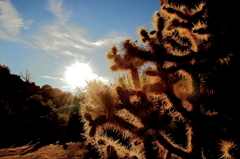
x,y
72,150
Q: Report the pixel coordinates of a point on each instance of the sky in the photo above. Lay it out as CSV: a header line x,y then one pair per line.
x,y
47,37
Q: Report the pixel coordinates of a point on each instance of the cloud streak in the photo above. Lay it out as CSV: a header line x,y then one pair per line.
x,y
55,6
11,23
9,18
61,38
27,24
49,77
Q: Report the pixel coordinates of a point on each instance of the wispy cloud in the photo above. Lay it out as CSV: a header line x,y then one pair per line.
x,y
55,6
9,18
68,39
7,37
11,23
113,37
27,24
49,77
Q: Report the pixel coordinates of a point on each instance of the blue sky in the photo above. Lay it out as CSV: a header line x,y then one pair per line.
x,y
46,37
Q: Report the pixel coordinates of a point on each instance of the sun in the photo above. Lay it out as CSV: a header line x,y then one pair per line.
x,y
78,73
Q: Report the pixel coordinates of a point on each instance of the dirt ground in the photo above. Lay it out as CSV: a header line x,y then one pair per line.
x,y
53,151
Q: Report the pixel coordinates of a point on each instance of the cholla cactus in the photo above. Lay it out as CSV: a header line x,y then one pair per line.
x,y
167,104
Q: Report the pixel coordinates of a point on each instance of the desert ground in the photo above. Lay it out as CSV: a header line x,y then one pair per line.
x,y
71,150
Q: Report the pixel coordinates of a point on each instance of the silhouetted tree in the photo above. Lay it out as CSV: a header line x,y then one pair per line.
x,y
26,76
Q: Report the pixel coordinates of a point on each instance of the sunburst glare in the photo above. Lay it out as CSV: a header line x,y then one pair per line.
x,y
78,73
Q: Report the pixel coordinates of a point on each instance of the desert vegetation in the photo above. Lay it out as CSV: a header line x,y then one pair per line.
x,y
176,98
30,113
